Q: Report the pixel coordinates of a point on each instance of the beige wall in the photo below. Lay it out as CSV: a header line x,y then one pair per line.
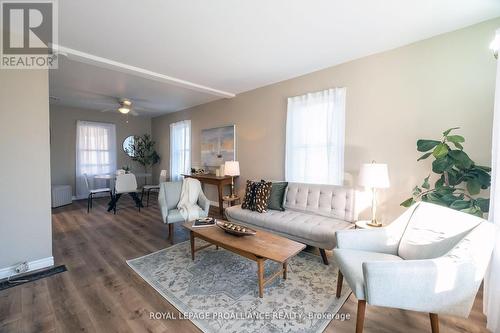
x,y
393,98
25,221
63,138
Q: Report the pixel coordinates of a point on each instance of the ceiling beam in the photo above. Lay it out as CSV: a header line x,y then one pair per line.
x,y
137,71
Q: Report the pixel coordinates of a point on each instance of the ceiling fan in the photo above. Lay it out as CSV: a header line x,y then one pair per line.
x,y
125,106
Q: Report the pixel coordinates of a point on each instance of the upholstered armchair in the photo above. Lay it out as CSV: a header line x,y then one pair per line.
x,y
169,196
430,259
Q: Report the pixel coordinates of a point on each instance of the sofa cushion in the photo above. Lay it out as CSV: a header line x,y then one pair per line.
x,y
320,230
434,230
174,215
327,200
352,261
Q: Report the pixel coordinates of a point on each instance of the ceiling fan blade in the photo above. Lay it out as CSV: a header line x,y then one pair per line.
x,y
138,99
108,109
134,113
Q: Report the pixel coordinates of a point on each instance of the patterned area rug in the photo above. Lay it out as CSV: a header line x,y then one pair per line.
x,y
218,291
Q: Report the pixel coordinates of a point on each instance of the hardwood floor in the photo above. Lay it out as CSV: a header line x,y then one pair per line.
x,y
100,293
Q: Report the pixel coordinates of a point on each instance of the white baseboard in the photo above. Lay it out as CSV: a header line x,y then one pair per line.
x,y
33,265
214,203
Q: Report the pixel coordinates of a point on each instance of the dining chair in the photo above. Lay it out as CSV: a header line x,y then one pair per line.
x,y
148,188
125,183
93,192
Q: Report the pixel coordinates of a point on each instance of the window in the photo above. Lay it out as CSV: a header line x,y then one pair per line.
x,y
95,152
315,137
180,149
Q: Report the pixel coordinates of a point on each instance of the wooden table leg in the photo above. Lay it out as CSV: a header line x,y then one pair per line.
x,y
285,268
221,204
191,239
260,275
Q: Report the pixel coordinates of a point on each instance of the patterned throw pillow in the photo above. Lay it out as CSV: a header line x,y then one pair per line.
x,y
262,194
249,199
257,196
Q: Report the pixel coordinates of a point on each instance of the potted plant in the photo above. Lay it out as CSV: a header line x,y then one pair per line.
x,y
459,181
142,151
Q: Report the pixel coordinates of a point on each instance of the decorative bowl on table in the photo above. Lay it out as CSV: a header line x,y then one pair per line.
x,y
235,229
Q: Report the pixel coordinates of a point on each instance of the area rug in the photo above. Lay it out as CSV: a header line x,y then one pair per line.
x,y
218,290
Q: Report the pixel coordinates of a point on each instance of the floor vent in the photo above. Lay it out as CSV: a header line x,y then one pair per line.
x,y
30,277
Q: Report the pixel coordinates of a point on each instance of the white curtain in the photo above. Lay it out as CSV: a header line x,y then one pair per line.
x,y
180,149
95,153
492,279
315,129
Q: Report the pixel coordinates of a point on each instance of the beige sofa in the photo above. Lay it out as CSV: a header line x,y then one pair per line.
x,y
313,213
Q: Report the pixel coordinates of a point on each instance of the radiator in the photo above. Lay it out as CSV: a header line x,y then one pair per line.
x,y
61,195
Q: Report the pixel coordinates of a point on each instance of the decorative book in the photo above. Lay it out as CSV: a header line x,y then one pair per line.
x,y
204,222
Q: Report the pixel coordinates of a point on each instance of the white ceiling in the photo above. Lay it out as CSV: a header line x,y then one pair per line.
x,y
86,86
234,45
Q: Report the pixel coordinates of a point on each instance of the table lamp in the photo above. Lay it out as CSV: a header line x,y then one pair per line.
x,y
232,168
374,175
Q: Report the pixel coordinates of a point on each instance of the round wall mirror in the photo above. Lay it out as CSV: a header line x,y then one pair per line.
x,y
128,143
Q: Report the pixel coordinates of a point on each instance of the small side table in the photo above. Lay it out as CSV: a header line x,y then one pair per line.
x,y
231,201
363,224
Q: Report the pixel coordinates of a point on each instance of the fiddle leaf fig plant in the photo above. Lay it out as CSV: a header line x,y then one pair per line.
x,y
459,181
142,150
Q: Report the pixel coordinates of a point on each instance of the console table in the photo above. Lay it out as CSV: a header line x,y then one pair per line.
x,y
220,182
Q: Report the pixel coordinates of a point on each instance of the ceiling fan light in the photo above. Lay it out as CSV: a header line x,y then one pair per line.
x,y
126,102
124,110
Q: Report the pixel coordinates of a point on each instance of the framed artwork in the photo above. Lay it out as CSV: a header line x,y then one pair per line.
x,y
218,145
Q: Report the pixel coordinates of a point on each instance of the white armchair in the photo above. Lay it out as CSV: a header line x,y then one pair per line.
x,y
430,259
168,199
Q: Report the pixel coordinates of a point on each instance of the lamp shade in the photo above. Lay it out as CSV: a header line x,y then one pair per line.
x,y
232,168
374,175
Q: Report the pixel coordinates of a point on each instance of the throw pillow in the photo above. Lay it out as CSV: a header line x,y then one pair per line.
x,y
249,198
262,193
277,195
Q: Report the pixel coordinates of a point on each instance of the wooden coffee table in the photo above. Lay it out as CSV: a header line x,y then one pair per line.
x,y
261,247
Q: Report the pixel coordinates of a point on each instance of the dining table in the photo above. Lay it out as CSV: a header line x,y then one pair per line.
x,y
114,199
109,176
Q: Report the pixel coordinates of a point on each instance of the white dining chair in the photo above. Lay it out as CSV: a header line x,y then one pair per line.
x,y
94,191
126,183
146,189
